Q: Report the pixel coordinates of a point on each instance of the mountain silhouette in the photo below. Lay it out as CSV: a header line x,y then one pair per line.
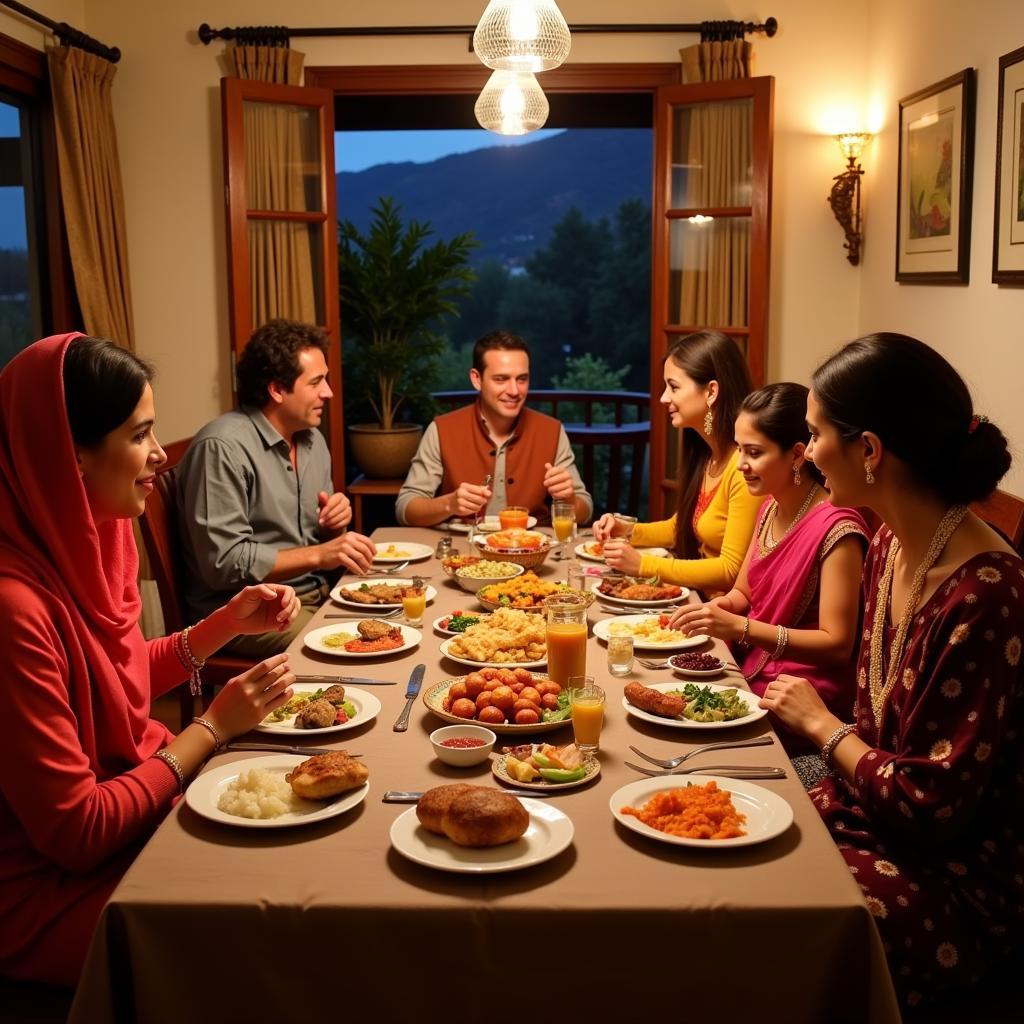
x,y
509,196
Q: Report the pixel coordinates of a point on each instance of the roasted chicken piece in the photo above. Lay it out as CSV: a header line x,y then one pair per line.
x,y
374,629
653,701
316,714
326,775
335,694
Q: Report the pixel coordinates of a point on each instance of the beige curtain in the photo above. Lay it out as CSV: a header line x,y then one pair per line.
x,y
713,142
90,183
281,156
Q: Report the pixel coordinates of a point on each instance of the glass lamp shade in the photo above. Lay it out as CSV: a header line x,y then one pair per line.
x,y
511,104
852,143
522,35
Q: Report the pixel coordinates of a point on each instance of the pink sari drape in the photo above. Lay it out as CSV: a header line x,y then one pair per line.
x,y
784,591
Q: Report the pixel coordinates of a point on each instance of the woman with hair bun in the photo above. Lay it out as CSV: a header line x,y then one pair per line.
x,y
926,799
795,605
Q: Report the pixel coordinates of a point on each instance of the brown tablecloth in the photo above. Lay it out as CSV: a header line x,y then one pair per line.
x,y
320,922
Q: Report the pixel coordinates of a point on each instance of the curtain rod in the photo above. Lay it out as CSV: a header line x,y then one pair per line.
x,y
65,33
278,35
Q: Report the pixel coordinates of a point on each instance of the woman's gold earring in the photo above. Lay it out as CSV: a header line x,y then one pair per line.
x,y
709,421
869,477
797,478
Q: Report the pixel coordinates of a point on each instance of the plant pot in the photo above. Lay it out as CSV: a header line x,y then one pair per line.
x,y
384,454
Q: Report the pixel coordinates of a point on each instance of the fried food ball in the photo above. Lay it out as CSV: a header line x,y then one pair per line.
x,y
527,716
475,684
491,715
489,673
521,704
549,701
483,700
464,708
530,693
503,698
457,691
523,676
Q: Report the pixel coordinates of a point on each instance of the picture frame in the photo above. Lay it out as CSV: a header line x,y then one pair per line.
x,y
935,181
1008,233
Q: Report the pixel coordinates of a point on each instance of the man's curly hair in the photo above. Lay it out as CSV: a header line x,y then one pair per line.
x,y
272,356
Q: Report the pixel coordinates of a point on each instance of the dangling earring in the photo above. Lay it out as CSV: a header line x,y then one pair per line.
x,y
869,477
709,421
797,478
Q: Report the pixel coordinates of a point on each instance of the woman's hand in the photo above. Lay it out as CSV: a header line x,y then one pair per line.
x,y
797,703
265,608
621,555
710,618
247,699
605,528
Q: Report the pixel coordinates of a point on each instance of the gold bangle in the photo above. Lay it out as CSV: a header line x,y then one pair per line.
x,y
746,629
782,639
174,764
207,724
829,746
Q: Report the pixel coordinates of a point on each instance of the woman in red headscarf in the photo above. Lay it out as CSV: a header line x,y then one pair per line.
x,y
85,773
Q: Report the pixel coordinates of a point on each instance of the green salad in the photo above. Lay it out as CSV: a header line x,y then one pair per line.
x,y
706,705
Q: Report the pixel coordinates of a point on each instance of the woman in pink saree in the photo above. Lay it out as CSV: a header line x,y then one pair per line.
x,y
795,607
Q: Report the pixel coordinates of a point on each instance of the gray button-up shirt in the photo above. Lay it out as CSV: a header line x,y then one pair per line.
x,y
240,502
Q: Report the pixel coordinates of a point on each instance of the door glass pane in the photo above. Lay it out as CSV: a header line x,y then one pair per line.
x,y
712,154
286,271
709,271
16,281
282,157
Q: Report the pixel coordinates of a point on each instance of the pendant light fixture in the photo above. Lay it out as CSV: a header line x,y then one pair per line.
x,y
512,103
522,35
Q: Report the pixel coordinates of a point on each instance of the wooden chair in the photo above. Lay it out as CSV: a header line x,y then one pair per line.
x,y
1003,512
159,528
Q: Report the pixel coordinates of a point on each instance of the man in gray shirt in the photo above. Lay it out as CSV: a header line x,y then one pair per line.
x,y
254,491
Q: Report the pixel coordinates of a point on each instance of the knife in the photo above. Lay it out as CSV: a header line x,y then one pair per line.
x,y
415,682
410,796
278,748
355,680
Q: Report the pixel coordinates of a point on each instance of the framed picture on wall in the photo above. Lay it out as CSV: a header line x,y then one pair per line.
x,y
933,194
1008,239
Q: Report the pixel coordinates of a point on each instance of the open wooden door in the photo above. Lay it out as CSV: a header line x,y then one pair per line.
x,y
712,236
282,220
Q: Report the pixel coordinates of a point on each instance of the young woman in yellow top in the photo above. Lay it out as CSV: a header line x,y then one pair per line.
x,y
706,380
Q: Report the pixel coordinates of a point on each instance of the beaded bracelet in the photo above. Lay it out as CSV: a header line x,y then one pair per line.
x,y
833,741
174,764
782,639
207,724
189,661
746,629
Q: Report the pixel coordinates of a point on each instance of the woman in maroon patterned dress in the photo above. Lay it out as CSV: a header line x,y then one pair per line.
x,y
926,798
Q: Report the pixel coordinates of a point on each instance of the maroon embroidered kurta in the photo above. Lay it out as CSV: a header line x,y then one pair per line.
x,y
933,827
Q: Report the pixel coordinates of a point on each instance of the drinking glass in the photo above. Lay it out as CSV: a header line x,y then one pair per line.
x,y
514,517
587,703
576,575
566,636
563,519
624,526
620,655
414,602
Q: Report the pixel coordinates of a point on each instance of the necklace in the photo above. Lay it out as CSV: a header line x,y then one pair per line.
x,y
880,690
767,544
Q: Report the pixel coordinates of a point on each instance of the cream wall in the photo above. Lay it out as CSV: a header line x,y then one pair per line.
x,y
979,327
31,34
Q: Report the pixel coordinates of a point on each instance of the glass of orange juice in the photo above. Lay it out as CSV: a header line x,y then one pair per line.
x,y
563,519
566,636
515,517
587,703
414,603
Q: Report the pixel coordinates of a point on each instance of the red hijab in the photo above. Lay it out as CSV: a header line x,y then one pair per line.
x,y
84,572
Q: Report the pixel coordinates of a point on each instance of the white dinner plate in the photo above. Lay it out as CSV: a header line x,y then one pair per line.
x,y
488,664
487,525
338,594
205,791
410,552
748,698
583,552
451,632
602,630
367,708
768,815
628,603
314,640
549,833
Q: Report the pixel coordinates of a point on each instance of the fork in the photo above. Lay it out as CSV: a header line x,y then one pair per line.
x,y
732,771
363,615
392,570
648,663
675,762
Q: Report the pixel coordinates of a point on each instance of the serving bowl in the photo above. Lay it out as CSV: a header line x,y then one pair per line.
x,y
528,558
474,583
454,562
463,757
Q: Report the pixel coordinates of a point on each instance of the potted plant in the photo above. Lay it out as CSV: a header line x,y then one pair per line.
x,y
395,292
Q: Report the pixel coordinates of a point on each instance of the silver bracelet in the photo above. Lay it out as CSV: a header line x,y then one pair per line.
x,y
174,764
834,739
207,724
782,639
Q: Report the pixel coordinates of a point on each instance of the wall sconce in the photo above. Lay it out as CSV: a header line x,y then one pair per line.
x,y
845,195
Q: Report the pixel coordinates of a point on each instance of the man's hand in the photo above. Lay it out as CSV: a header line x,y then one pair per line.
x,y
469,499
351,550
335,511
558,483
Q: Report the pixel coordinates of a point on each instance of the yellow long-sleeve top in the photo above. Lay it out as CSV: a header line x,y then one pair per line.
x,y
723,536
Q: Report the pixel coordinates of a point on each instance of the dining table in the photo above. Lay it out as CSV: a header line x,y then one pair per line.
x,y
218,922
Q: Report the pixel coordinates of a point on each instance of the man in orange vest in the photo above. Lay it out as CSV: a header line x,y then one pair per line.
x,y
525,453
